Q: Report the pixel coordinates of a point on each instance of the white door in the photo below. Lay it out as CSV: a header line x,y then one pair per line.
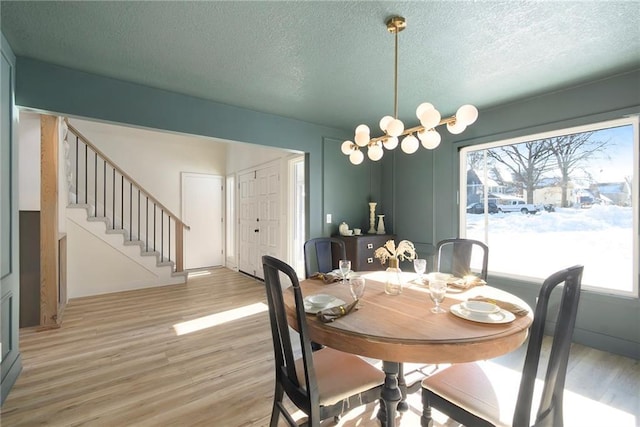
x,y
202,212
248,227
259,213
269,212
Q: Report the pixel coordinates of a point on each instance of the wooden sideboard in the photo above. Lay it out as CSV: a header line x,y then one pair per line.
x,y
360,250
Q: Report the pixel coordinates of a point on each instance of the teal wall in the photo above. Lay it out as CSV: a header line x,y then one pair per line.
x,y
417,193
426,186
348,189
50,88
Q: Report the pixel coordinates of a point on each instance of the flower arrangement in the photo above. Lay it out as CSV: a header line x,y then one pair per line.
x,y
404,251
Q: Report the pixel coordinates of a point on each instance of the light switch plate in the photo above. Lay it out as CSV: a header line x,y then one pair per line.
x,y
328,218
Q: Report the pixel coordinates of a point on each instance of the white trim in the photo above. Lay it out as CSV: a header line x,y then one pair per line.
x,y
292,214
632,120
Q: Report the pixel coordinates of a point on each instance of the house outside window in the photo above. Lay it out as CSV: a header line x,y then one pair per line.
x,y
549,201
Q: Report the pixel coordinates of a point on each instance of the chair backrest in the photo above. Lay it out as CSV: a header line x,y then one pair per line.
x,y
454,256
322,251
304,396
550,409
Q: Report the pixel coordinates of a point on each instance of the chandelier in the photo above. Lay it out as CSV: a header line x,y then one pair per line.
x,y
394,128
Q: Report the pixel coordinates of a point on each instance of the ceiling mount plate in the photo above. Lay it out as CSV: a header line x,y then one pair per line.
x,y
395,24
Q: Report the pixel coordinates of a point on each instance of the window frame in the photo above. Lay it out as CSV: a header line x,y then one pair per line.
x,y
635,195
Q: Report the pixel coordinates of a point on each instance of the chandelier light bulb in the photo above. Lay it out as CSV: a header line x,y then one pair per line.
x,y
467,114
362,135
395,127
430,139
384,122
356,157
362,139
410,144
423,108
456,128
375,152
363,129
390,143
430,118
347,147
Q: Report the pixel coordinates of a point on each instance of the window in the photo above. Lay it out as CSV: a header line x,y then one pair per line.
x,y
563,198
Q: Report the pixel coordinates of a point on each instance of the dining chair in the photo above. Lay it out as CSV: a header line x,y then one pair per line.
x,y
455,256
321,252
485,394
322,384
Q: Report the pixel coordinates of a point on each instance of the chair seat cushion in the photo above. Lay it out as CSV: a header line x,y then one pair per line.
x,y
485,389
340,375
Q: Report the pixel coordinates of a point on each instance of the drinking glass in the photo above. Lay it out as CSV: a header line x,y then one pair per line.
x,y
437,289
420,266
345,267
356,286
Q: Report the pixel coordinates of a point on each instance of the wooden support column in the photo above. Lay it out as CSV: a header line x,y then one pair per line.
x,y
49,256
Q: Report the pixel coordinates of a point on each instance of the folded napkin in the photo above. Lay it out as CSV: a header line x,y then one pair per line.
x,y
326,277
457,282
509,306
330,314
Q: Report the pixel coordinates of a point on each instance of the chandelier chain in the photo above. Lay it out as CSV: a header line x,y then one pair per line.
x,y
395,83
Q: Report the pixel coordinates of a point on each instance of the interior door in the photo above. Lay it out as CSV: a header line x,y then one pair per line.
x,y
259,213
248,216
268,213
202,212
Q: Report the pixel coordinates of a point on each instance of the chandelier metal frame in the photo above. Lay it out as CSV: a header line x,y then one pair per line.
x,y
393,128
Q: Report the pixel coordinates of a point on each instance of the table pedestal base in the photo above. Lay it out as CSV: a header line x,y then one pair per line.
x,y
390,395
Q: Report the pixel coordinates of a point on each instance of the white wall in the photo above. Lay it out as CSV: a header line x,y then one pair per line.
x,y
102,264
29,162
154,159
242,156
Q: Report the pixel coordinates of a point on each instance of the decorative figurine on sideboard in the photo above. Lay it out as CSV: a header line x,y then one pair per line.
x,y
372,217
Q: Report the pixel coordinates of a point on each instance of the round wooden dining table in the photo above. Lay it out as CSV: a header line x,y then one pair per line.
x,y
402,328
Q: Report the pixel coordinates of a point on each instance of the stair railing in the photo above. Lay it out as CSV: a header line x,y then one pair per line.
x,y
112,195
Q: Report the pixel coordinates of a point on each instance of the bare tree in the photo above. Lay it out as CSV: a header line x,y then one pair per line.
x,y
527,162
570,153
475,160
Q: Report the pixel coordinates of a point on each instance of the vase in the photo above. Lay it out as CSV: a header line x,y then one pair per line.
x,y
393,284
343,229
381,229
372,217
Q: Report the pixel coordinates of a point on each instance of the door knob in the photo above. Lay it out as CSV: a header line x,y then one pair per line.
x,y
257,230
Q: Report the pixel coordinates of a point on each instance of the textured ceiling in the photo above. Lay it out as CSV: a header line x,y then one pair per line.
x,y
331,63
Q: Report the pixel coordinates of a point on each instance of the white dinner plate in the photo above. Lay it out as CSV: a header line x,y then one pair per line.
x,y
312,309
502,316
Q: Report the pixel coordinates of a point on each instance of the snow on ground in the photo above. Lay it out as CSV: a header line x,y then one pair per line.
x,y
600,238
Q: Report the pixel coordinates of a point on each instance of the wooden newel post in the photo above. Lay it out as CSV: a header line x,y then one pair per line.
x,y
179,247
49,222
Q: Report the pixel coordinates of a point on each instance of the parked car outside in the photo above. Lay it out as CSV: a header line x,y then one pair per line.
x,y
519,205
478,208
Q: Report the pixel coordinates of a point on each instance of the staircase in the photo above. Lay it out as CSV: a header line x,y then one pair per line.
x,y
113,215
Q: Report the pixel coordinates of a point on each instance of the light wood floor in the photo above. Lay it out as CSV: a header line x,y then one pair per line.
x,y
137,358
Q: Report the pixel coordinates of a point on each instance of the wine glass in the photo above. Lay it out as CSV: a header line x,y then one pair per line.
x,y
420,266
356,286
345,267
437,289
